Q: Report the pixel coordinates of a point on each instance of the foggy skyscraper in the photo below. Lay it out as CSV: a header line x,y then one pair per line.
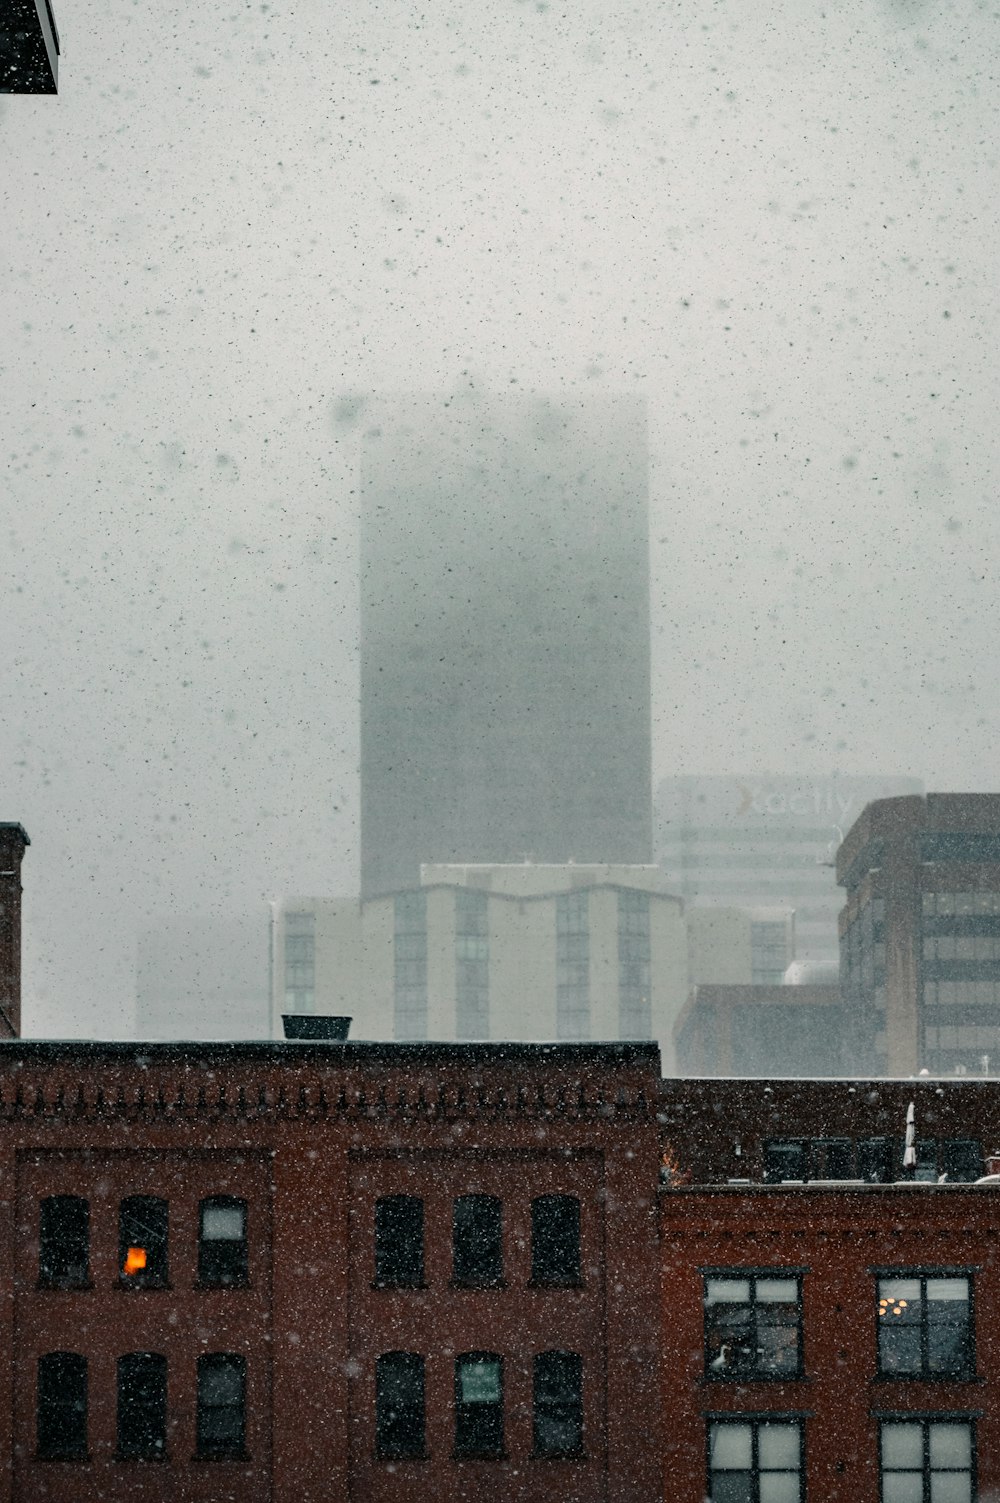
x,y
505,701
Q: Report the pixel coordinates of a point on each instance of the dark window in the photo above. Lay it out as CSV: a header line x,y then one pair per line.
x,y
222,1241
875,1161
399,1242
831,1158
479,1404
399,1404
222,1381
477,1241
753,1324
64,1241
558,1404
927,1461
142,1405
784,1158
962,1160
755,1461
555,1239
142,1242
62,1405
925,1326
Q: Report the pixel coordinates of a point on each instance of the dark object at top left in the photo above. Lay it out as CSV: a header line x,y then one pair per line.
x,y
29,48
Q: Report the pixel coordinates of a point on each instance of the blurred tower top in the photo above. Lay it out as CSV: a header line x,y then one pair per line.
x,y
29,48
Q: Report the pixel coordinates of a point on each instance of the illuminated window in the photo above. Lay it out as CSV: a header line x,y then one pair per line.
x,y
62,1405
555,1240
479,1404
142,1242
925,1326
142,1406
477,1241
927,1461
399,1242
558,1404
755,1461
399,1405
753,1324
222,1241
64,1242
221,1422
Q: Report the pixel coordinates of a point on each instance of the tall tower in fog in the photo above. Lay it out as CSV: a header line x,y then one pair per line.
x,y
505,707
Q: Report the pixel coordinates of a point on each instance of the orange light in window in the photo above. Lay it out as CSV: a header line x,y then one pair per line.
x,y
135,1260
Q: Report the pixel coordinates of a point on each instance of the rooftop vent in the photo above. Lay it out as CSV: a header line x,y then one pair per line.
x,y
307,1025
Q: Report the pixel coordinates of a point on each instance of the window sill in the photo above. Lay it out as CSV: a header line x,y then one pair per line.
x,y
928,1378
145,1288
550,1284
214,1458
559,1456
384,1457
76,1457
65,1285
215,1284
126,1458
397,1288
464,1284
748,1379
480,1456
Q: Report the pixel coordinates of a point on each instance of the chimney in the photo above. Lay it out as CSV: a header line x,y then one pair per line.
x,y
13,843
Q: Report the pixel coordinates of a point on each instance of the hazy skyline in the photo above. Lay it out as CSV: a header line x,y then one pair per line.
x,y
777,225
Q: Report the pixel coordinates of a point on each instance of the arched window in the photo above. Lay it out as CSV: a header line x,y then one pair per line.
x,y
399,1242
555,1240
399,1405
61,1416
558,1404
222,1241
63,1242
477,1241
479,1427
142,1242
221,1427
142,1405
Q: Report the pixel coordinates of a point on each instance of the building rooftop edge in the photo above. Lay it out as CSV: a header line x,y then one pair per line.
x,y
354,1051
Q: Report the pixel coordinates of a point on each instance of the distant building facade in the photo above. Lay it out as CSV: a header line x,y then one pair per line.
x,y
920,934
761,1031
505,695
765,841
524,951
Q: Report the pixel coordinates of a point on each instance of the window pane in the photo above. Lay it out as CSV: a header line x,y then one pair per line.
x,y
480,1382
477,1240
777,1349
951,1446
948,1289
902,1487
62,1404
902,1445
64,1238
732,1487
778,1447
785,1291
399,1241
555,1239
779,1487
142,1241
730,1447
222,1223
399,1404
899,1348
899,1291
142,1404
727,1291
951,1487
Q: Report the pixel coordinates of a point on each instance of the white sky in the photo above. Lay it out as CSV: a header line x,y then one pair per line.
x,y
779,221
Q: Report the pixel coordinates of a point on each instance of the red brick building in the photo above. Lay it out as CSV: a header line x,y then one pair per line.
x,y
316,1271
